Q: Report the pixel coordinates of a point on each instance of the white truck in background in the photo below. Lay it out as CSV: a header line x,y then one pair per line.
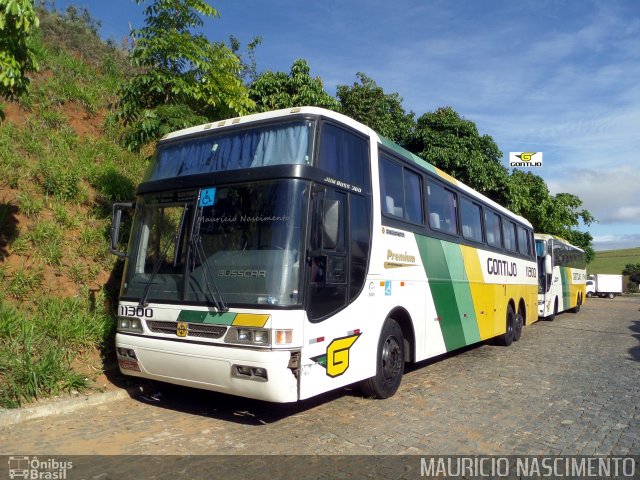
x,y
604,285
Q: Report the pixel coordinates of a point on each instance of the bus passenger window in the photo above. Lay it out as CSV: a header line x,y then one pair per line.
x,y
524,246
413,196
391,188
492,225
442,209
509,234
471,220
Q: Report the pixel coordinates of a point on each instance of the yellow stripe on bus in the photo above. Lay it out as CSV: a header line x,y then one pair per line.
x,y
250,320
446,176
481,292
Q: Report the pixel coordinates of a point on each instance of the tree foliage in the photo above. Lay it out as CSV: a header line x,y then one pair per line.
x,y
367,103
18,27
183,78
247,60
275,90
559,214
633,270
453,144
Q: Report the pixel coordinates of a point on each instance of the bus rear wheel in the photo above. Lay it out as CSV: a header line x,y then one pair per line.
x,y
389,363
576,309
508,336
517,329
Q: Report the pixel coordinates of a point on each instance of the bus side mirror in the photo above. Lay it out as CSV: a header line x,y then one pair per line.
x,y
548,267
116,220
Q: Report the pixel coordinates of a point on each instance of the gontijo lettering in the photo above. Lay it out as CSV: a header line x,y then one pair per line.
x,y
501,267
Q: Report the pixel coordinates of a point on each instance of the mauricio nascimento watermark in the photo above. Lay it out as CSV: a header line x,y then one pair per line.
x,y
528,467
35,468
525,159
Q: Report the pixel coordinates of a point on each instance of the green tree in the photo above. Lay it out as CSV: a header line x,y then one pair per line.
x,y
18,27
184,79
367,103
633,270
274,90
248,66
453,144
559,214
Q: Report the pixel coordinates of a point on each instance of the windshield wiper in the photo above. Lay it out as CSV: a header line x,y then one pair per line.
x,y
196,245
163,258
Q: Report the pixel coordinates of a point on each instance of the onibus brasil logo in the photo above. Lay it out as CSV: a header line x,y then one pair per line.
x,y
35,468
525,159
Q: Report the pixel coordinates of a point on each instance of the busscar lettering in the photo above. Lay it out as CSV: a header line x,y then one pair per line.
x,y
242,273
501,267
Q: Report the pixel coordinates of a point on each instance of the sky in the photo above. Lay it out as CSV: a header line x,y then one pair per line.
x,y
558,77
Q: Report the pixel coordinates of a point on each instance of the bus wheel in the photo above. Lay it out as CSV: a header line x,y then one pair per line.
x,y
389,363
517,328
552,317
576,309
506,338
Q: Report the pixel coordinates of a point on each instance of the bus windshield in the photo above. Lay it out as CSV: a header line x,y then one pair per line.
x,y
274,144
237,245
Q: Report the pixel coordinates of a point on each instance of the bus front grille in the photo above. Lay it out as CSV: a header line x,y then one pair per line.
x,y
194,330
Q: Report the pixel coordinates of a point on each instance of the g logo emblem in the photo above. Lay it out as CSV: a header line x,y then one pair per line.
x,y
182,329
338,355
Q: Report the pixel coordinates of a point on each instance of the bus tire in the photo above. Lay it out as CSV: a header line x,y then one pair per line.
x,y
576,309
506,338
552,317
389,363
517,327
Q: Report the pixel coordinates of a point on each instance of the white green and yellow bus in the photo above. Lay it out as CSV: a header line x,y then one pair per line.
x,y
563,276
284,254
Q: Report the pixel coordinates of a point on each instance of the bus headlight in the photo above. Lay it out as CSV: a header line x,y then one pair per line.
x,y
131,325
250,336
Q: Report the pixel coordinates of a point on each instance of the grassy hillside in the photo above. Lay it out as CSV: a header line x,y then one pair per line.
x,y
60,169
613,261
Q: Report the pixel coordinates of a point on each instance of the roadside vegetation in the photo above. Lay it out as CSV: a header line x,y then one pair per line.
x,y
79,119
61,166
613,261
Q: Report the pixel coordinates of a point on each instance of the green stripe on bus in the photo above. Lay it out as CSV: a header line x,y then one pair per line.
x,y
199,316
566,290
442,291
464,299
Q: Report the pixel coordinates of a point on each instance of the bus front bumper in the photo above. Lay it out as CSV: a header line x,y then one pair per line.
x,y
210,367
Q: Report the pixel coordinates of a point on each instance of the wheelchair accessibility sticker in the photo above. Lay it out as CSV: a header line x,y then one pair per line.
x,y
207,197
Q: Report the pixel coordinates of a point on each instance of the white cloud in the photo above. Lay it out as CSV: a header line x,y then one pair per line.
x,y
612,194
615,242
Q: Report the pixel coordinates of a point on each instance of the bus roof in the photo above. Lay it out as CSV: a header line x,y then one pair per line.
x,y
259,117
547,237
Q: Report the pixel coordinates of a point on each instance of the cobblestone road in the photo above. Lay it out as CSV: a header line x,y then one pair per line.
x,y
571,386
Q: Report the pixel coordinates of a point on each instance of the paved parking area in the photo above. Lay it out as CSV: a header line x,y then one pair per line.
x,y
571,386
